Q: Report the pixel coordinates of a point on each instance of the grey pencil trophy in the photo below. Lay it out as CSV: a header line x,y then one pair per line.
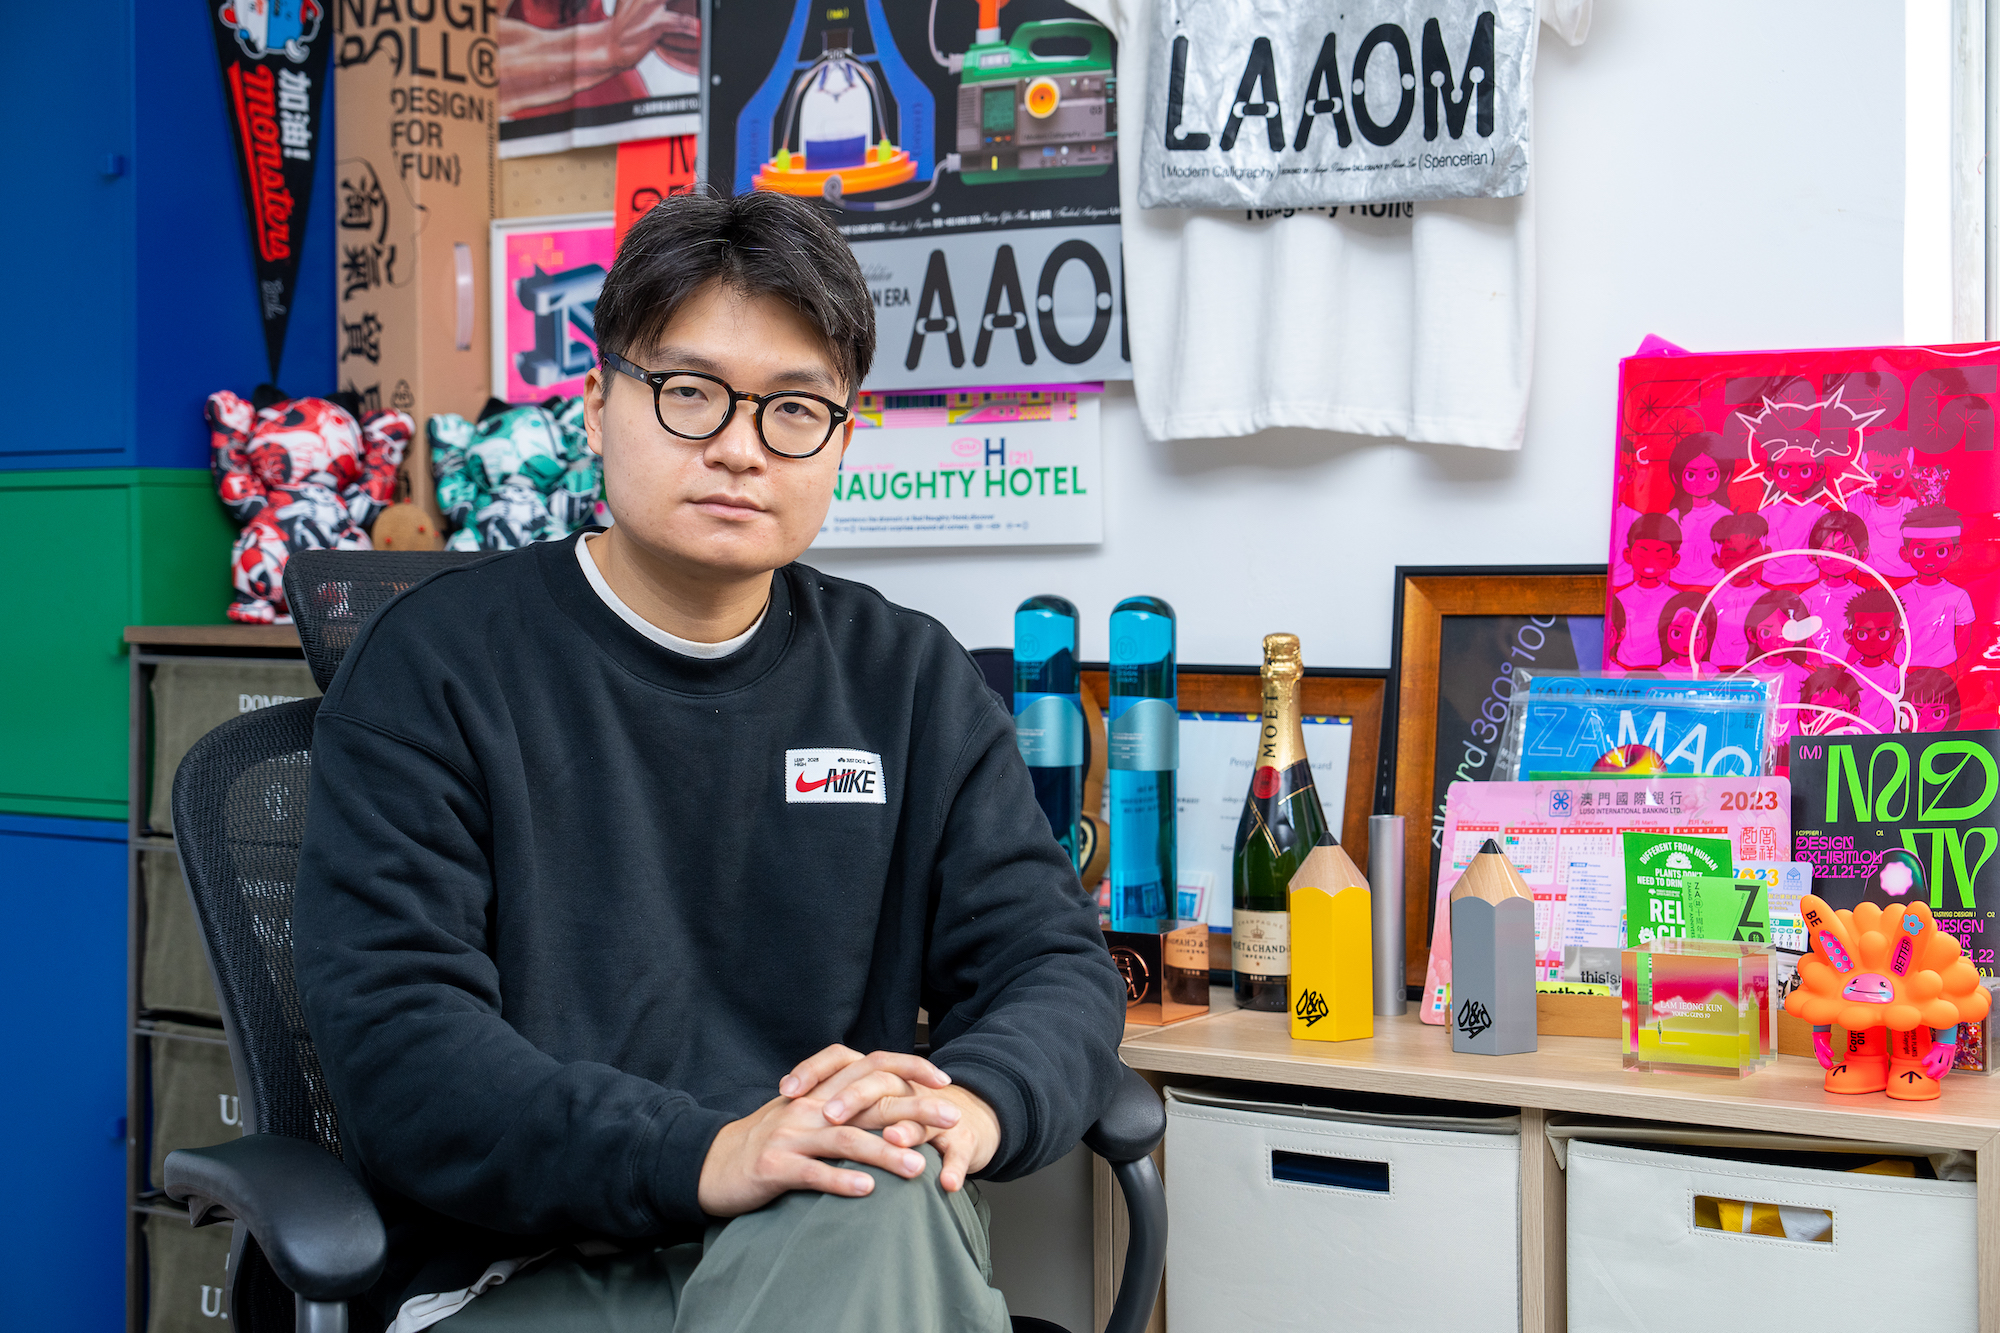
x,y
1492,957
1385,881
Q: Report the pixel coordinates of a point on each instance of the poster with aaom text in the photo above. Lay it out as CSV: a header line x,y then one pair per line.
x,y
973,170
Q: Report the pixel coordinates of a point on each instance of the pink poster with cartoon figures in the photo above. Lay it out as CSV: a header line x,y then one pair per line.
x,y
1830,518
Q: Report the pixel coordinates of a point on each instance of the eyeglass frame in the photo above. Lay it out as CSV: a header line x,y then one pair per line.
x,y
658,379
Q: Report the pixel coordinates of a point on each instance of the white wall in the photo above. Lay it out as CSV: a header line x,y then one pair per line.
x,y
1726,175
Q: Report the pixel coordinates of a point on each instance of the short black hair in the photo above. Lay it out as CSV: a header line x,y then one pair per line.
x,y
1842,521
1740,525
1654,528
758,244
1933,516
1870,602
1838,680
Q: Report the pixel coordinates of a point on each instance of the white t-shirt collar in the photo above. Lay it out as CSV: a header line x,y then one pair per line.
x,y
671,642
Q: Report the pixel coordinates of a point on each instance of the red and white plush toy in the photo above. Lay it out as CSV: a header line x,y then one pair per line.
x,y
299,474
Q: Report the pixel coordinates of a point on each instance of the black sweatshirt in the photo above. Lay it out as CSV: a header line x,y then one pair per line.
x,y
569,902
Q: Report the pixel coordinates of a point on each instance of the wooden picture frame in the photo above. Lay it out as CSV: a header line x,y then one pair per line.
x,y
1325,692
1407,786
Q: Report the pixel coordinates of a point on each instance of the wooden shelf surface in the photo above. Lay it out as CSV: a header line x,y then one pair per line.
x,y
1573,1074
213,636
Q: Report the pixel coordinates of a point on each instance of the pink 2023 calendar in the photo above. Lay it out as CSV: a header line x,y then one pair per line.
x,y
1563,838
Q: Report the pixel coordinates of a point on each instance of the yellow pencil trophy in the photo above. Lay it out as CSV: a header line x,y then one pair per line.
x,y
1332,989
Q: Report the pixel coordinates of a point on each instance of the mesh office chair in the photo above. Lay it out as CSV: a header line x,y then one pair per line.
x,y
308,1238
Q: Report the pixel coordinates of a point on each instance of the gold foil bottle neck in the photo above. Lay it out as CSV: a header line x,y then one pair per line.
x,y
1281,741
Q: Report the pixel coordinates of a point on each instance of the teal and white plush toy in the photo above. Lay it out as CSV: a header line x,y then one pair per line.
x,y
520,474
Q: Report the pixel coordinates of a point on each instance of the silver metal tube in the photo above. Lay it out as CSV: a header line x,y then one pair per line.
x,y
1385,889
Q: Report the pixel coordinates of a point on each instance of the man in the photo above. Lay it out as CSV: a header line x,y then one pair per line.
x,y
1840,534
1877,657
1798,475
623,848
1943,628
1773,629
1885,505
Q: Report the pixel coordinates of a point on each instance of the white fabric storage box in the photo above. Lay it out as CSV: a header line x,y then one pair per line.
x,y
1311,1218
1902,1253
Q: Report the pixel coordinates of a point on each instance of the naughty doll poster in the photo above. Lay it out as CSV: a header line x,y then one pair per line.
x,y
1828,517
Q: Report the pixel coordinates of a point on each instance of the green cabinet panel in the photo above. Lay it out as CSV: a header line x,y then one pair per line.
x,y
86,553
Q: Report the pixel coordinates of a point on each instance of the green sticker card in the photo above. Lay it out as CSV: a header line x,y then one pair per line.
x,y
1659,868
1729,909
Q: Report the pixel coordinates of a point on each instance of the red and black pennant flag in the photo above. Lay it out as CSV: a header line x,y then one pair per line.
x,y
273,76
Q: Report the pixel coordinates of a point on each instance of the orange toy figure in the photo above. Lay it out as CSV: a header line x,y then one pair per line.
x,y
1885,976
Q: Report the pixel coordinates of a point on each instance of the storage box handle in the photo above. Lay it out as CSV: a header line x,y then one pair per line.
x,y
1781,1221
1340,1173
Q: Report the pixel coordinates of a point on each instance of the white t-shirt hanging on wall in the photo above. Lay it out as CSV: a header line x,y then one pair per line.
x,y
1412,320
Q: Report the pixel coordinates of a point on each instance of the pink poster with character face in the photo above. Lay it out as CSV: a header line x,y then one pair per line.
x,y
546,280
1829,517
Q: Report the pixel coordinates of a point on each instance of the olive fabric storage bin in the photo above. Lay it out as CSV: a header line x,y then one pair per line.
x,y
1901,1255
187,1269
173,970
194,1092
191,699
1311,1218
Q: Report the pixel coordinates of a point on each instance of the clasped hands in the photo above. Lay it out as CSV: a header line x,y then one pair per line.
x,y
840,1104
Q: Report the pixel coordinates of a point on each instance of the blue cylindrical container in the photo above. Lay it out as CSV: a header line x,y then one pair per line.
x,y
1048,712
1144,750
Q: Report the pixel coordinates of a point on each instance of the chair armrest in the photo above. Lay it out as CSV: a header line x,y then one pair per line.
x,y
314,1222
1133,1125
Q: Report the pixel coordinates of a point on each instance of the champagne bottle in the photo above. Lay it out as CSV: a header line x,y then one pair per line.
x,y
1048,712
1144,750
1282,822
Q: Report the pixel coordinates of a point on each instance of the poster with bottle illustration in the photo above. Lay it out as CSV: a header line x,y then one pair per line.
x,y
967,151
1830,517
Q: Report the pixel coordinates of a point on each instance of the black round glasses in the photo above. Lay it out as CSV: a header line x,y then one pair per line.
x,y
694,406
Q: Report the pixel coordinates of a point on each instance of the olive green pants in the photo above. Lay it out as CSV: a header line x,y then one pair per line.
x,y
906,1258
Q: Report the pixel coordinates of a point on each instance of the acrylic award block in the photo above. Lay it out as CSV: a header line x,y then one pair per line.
x,y
1165,971
1332,984
1699,1007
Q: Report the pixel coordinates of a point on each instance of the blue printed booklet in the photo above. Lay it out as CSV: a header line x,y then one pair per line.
x,y
1574,725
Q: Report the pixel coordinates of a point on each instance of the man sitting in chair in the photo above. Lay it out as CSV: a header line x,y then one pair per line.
x,y
632,857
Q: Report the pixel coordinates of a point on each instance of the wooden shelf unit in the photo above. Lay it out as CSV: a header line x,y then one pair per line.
x,y
1577,1075
149,645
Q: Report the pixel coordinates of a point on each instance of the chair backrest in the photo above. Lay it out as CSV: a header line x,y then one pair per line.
x,y
239,814
333,594
997,666
239,803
